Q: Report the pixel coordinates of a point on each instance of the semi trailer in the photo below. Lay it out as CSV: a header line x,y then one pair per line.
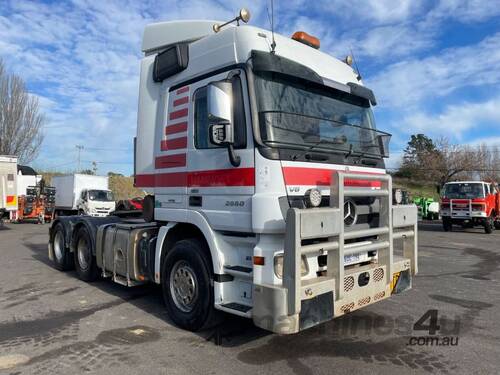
x,y
267,192
8,187
82,194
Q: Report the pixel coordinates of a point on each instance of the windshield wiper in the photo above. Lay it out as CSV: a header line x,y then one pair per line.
x,y
311,148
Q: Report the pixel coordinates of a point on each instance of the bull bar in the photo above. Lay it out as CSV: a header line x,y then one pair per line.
x,y
311,301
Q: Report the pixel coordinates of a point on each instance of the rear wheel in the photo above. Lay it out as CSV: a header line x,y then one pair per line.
x,y
187,284
447,225
85,263
63,258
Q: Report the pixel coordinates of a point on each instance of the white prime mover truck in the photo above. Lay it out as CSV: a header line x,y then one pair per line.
x,y
8,187
82,194
268,195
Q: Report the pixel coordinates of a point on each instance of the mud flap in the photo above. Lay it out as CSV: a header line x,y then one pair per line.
x,y
316,310
401,282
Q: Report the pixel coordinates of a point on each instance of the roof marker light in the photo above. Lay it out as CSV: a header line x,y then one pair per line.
x,y
305,38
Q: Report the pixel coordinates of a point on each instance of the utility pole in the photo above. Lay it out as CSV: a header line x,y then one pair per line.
x,y
80,148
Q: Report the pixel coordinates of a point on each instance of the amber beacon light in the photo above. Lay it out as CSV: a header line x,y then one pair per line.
x,y
303,37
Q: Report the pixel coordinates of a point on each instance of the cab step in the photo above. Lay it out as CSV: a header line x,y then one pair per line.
x,y
236,309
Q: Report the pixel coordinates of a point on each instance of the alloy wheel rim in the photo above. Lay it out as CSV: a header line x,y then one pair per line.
x,y
183,286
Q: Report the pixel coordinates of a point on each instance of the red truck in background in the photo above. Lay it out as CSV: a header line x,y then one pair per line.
x,y
470,204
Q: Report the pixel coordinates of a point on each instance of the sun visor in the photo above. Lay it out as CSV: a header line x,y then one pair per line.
x,y
362,92
270,62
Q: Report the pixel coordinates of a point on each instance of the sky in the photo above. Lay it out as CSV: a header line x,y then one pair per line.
x,y
434,65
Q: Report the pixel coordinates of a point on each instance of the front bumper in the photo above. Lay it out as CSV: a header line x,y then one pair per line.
x,y
299,304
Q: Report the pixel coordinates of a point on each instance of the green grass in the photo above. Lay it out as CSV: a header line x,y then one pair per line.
x,y
416,189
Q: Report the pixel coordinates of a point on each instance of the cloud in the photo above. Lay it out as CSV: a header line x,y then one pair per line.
x,y
81,57
456,119
412,81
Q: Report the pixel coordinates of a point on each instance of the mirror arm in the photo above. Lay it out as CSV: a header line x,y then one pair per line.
x,y
233,158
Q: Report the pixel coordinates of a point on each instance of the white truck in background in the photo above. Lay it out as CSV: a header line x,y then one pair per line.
x,y
8,187
268,195
81,194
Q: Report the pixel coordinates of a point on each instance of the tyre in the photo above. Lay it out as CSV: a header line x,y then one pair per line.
x,y
187,285
63,258
488,225
85,263
447,225
497,224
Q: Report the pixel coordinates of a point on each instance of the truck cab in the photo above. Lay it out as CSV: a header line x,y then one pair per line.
x,y
96,202
267,191
469,204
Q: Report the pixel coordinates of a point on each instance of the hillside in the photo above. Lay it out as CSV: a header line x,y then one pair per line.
x,y
416,189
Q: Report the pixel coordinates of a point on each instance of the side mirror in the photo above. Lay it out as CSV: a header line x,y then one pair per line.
x,y
383,144
220,112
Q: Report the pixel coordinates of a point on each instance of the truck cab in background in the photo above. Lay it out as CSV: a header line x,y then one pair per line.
x,y
82,194
470,204
95,202
267,189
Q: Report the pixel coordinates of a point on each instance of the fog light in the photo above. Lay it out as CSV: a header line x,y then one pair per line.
x,y
313,198
278,266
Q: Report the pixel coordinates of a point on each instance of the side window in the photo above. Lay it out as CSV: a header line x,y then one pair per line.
x,y
201,126
82,195
201,139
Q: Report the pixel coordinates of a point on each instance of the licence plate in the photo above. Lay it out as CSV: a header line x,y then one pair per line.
x,y
353,258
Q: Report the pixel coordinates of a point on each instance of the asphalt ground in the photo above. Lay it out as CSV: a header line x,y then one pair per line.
x,y
53,323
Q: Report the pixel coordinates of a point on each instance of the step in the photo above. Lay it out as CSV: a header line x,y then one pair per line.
x,y
236,309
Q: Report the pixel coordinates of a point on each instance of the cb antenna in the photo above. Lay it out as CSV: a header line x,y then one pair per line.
x,y
271,21
355,65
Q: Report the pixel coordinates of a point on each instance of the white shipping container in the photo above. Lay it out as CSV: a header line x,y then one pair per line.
x,y
69,188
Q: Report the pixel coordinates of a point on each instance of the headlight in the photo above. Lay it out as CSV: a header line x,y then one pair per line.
x,y
397,196
313,198
278,266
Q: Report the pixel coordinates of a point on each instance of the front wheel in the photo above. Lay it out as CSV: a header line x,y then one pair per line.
x,y
187,285
447,225
85,262
488,225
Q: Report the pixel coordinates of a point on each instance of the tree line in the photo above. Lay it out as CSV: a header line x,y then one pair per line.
x,y
439,161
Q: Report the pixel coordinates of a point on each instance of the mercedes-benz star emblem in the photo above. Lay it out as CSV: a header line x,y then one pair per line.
x,y
350,215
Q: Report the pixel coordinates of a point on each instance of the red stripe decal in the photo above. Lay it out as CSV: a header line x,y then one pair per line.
x,y
174,144
182,90
222,177
320,177
170,161
176,128
214,178
178,114
171,179
181,101
144,180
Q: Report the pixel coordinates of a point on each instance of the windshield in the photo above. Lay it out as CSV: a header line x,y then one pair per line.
x,y
463,191
315,116
101,195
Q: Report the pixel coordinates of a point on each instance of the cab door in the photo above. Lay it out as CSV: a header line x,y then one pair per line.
x,y
220,191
